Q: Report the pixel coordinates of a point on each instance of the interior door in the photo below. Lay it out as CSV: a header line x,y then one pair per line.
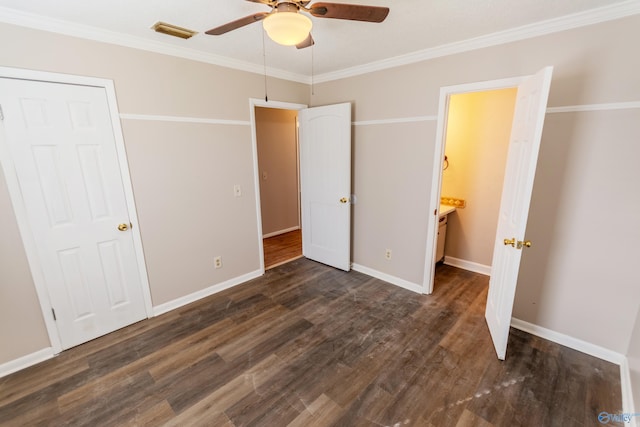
x,y
325,181
60,141
524,144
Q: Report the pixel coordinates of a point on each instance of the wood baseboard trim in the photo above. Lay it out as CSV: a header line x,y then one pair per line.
x,y
388,278
26,361
279,232
468,265
193,297
568,341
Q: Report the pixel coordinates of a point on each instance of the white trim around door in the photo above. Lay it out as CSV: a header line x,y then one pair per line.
x,y
20,207
253,103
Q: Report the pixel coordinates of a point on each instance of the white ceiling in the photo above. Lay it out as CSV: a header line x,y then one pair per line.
x,y
412,26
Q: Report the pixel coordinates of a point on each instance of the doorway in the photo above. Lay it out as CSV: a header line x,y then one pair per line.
x,y
325,181
279,176
280,236
476,146
438,164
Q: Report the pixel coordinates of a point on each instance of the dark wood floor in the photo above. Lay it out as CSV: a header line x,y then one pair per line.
x,y
308,345
282,248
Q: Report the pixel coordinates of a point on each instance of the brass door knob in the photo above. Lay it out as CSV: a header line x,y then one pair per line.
x,y
511,242
123,227
344,200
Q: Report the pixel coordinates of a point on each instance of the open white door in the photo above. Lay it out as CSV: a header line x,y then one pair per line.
x,y
524,144
325,182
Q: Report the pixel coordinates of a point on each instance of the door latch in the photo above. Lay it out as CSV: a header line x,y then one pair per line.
x,y
525,243
518,244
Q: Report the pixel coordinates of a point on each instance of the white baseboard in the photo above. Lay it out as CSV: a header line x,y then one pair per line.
x,y
468,265
26,361
188,299
388,278
567,341
628,406
279,232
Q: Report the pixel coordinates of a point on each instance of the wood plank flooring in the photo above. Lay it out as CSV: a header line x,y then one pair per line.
x,y
282,248
308,345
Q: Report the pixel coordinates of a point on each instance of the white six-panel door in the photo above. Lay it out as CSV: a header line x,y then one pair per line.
x,y
61,142
524,144
325,182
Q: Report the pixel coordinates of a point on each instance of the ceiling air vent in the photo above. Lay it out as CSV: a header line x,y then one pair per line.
x,y
173,30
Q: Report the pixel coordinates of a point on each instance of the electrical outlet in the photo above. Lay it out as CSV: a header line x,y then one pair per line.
x,y
217,262
237,190
387,253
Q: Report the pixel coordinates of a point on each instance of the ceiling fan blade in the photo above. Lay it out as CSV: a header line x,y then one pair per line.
x,y
306,42
238,23
353,12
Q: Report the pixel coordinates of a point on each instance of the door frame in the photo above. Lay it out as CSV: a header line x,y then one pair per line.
x,y
19,206
253,103
438,159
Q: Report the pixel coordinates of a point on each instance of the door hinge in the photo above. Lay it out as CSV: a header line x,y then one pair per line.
x,y
54,313
1,113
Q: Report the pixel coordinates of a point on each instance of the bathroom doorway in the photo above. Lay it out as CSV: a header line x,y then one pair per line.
x,y
477,132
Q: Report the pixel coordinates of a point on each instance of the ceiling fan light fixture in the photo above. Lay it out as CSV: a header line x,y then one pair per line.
x,y
287,28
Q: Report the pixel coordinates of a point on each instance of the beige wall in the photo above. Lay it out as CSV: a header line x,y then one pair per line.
x,y
183,177
276,132
477,141
388,163
633,356
183,173
584,244
580,276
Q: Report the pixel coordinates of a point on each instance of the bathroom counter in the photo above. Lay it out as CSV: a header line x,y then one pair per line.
x,y
446,210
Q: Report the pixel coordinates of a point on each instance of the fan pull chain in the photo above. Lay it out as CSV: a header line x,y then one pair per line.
x,y
264,62
312,87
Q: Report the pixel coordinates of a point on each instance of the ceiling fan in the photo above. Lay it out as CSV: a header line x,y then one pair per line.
x,y
287,26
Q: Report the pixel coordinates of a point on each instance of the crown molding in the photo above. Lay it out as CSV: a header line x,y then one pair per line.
x,y
39,22
563,23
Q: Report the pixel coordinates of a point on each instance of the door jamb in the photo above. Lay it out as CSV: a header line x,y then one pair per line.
x,y
254,102
19,206
438,159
